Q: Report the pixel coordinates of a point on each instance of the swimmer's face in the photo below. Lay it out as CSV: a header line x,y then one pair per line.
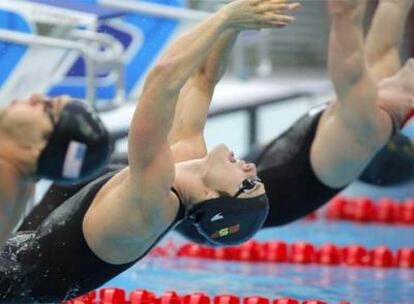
x,y
224,173
33,119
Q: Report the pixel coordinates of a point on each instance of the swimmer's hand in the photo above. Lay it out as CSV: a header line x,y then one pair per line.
x,y
258,14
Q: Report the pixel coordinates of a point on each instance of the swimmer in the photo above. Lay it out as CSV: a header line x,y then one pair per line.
x,y
113,222
43,138
328,148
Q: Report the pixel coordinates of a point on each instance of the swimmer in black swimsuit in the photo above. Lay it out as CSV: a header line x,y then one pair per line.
x,y
328,148
39,138
116,219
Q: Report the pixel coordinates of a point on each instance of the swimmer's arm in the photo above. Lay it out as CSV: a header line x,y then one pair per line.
x,y
385,37
353,84
186,136
148,147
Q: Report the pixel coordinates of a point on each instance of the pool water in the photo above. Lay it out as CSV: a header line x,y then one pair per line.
x,y
329,283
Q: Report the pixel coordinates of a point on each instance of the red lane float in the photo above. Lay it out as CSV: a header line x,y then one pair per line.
x,y
328,254
141,296
405,258
304,253
363,210
285,301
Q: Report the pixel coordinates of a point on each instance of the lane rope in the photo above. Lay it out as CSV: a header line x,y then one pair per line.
x,y
142,296
365,210
296,253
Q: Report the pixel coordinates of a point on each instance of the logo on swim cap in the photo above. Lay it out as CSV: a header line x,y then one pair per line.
x,y
75,156
217,217
226,221
226,231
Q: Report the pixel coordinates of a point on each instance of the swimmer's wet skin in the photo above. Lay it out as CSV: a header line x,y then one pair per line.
x,y
330,146
78,247
60,139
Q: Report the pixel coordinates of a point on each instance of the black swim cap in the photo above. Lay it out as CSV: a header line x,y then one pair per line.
x,y
226,220
78,148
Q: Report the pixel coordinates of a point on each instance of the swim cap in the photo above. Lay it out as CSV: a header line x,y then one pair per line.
x,y
78,148
226,220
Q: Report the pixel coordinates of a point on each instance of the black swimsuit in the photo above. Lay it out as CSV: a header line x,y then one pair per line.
x,y
285,168
53,262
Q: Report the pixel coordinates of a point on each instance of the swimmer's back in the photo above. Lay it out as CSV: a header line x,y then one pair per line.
x,y
285,168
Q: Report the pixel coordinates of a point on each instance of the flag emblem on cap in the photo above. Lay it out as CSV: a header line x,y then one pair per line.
x,y
75,156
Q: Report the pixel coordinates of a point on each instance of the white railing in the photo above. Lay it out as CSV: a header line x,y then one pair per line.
x,y
155,9
86,52
113,58
42,13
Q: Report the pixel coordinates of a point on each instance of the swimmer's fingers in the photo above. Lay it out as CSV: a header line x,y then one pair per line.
x,y
256,14
272,25
275,13
279,8
271,20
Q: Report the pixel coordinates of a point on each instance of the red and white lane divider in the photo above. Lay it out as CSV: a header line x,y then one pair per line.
x,y
141,296
297,253
365,210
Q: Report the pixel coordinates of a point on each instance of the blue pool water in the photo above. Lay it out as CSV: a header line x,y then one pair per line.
x,y
329,283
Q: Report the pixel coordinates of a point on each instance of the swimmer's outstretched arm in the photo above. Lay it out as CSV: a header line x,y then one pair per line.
x,y
347,65
385,37
353,128
186,137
